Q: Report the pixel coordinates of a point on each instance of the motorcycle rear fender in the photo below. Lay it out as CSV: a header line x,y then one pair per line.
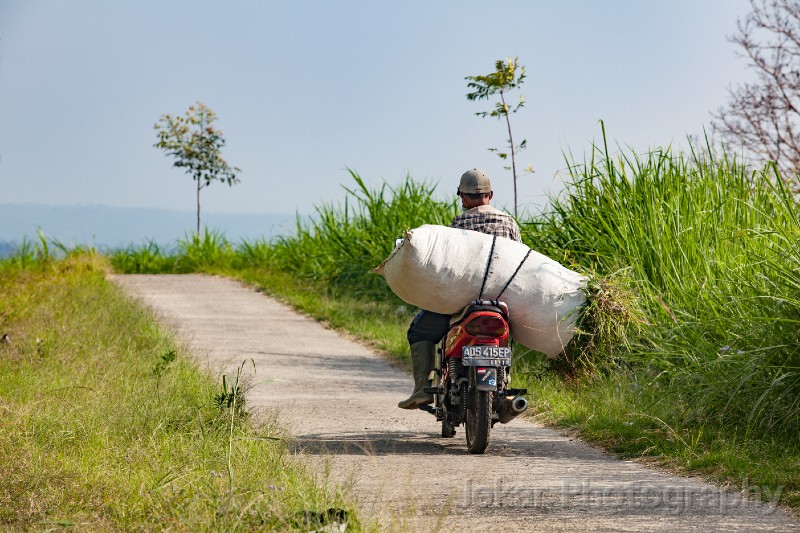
x,y
457,337
486,378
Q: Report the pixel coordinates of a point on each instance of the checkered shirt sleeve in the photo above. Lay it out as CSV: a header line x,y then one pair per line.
x,y
498,224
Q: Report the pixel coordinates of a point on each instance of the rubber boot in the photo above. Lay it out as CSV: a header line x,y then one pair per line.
x,y
421,363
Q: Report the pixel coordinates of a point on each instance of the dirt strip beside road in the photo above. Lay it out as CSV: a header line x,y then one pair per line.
x,y
338,400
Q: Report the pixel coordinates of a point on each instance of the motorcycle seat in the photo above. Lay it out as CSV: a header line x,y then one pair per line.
x,y
495,306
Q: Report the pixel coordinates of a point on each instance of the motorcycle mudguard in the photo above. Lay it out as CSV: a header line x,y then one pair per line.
x,y
486,378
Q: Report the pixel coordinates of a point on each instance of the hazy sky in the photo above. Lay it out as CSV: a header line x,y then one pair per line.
x,y
304,90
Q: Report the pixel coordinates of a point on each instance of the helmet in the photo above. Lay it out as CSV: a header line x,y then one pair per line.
x,y
474,181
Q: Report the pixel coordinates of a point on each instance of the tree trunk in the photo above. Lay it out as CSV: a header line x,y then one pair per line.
x,y
200,174
198,206
513,154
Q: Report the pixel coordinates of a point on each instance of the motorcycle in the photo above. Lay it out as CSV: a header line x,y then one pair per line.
x,y
472,374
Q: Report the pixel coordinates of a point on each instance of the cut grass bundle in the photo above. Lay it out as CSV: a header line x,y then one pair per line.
x,y
609,326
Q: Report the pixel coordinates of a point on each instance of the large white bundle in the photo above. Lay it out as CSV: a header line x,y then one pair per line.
x,y
441,269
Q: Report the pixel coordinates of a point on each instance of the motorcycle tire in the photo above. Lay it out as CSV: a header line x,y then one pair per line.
x,y
479,420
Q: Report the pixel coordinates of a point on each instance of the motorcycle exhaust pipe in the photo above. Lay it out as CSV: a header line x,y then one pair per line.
x,y
511,409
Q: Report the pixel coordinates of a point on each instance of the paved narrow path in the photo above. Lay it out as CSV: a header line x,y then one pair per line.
x,y
338,400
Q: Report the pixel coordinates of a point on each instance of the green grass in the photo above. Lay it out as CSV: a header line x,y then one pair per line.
x,y
105,423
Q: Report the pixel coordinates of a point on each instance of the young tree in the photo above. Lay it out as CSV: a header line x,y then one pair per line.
x,y
763,116
508,75
195,144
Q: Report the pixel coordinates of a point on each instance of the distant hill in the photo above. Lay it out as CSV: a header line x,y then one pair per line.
x,y
112,227
7,248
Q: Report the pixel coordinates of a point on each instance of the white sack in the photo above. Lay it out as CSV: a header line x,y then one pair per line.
x,y
441,269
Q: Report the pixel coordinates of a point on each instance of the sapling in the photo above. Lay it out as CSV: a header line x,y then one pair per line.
x,y
508,75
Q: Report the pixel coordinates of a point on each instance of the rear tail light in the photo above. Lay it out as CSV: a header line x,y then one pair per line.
x,y
487,326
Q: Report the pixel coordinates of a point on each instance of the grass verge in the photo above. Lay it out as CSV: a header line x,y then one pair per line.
x,y
106,425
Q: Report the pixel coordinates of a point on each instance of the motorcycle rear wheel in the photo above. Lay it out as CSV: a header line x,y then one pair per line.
x,y
479,420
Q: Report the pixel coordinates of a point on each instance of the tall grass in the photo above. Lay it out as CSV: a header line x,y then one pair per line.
x,y
711,251
40,253
148,258
343,242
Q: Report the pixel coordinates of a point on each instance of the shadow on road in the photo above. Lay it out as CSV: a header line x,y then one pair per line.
x,y
517,443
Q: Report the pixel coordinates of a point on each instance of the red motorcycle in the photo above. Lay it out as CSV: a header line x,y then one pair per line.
x,y
472,374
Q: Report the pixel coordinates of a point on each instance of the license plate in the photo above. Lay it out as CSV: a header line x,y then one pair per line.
x,y
486,356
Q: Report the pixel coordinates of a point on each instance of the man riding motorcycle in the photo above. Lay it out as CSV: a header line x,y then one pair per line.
x,y
428,328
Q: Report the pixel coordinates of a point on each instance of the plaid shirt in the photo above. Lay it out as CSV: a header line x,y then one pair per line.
x,y
487,219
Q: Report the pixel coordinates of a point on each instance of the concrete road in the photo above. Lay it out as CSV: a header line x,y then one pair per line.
x,y
338,400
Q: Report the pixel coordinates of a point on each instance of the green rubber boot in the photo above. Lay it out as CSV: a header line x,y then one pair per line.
x,y
421,363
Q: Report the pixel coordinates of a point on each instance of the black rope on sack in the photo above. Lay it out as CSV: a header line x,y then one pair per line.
x,y
488,264
515,273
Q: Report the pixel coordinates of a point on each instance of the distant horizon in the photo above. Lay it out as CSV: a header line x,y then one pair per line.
x,y
109,226
171,210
